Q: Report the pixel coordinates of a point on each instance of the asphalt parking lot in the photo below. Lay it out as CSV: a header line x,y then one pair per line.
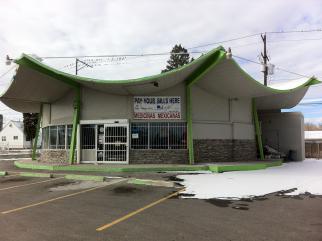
x,y
60,209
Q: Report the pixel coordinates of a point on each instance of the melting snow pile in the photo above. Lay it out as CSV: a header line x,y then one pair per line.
x,y
303,177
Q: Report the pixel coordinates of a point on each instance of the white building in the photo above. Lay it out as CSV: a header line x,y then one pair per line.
x,y
12,136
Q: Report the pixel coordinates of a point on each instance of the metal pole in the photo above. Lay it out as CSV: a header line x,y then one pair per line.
x,y
76,66
265,58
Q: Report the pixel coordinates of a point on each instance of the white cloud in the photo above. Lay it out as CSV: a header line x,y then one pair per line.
x,y
78,27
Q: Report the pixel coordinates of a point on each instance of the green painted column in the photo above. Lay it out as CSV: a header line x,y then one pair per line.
x,y
189,125
34,148
75,124
258,131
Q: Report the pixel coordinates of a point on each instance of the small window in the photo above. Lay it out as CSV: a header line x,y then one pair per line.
x,y
3,138
15,138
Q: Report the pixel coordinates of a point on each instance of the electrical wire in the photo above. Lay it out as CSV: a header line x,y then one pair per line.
x,y
6,72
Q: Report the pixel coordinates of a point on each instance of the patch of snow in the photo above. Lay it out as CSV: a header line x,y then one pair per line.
x,y
313,135
305,176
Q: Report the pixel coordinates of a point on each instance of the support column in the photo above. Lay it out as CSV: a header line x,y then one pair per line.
x,y
75,124
34,148
189,126
257,130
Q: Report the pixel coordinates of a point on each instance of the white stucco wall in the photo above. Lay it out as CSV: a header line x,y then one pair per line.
x,y
215,117
284,132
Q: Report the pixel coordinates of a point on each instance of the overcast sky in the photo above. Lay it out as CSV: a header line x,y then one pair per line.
x,y
96,27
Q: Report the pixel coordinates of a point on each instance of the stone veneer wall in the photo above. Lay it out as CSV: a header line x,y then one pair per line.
x,y
220,150
158,156
59,156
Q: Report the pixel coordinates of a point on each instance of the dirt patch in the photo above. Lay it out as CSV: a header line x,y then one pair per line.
x,y
125,189
175,179
240,208
13,180
219,202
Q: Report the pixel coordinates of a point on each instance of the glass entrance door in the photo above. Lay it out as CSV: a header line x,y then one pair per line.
x,y
112,143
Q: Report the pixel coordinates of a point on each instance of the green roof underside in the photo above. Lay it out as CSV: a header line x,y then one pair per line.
x,y
36,82
219,52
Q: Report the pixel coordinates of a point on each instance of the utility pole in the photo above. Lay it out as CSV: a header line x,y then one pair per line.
x,y
265,58
84,65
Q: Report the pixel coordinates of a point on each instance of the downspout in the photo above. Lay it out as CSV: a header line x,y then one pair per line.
x,y
34,148
257,130
75,124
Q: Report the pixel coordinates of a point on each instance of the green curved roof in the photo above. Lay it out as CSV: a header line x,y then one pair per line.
x,y
36,82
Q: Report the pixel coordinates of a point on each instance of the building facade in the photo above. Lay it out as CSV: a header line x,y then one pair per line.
x,y
13,137
206,111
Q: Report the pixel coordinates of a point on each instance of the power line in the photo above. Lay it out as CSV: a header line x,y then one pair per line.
x,y
295,31
225,41
282,69
6,72
119,55
294,40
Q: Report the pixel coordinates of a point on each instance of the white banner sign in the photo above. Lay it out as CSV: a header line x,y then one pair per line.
x,y
157,107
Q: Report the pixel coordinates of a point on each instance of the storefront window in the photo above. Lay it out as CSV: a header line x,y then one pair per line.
x,y
53,137
69,135
139,135
61,137
159,135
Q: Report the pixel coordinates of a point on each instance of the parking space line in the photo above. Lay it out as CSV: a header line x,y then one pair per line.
x,y
58,198
106,226
29,184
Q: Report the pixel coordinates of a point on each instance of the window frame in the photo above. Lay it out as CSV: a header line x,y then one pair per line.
x,y
182,125
46,131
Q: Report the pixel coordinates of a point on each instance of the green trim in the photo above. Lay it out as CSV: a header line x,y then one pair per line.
x,y
213,59
3,173
75,124
34,148
149,182
75,80
85,177
35,174
189,126
173,168
257,130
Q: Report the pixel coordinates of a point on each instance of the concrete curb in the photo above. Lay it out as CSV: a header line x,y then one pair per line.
x,y
149,182
3,173
85,178
218,168
35,174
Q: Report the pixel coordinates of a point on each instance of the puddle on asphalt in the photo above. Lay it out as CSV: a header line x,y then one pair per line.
x,y
125,189
78,185
13,180
219,202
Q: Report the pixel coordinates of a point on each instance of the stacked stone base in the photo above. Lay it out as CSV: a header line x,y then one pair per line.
x,y
54,156
159,157
219,150
206,151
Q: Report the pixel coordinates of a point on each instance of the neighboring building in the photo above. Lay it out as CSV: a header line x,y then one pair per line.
x,y
209,110
313,144
13,137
